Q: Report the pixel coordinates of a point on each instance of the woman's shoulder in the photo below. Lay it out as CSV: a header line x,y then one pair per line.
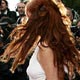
x,y
46,59
45,50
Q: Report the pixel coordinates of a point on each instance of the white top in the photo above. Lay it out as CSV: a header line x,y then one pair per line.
x,y
34,70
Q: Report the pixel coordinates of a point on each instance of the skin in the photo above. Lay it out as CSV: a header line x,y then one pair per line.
x,y
78,24
69,13
46,59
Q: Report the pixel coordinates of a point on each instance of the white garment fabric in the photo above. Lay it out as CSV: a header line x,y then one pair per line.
x,y
34,70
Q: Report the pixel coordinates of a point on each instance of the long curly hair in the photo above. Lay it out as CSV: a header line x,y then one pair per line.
x,y
45,24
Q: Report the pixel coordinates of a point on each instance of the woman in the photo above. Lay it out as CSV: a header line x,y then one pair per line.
x,y
47,34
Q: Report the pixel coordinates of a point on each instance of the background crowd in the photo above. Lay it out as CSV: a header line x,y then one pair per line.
x,y
9,20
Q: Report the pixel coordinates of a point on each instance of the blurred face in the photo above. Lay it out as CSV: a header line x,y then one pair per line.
x,y
21,8
78,39
69,14
3,5
78,24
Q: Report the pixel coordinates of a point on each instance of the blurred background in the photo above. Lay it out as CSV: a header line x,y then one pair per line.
x,y
75,4
12,3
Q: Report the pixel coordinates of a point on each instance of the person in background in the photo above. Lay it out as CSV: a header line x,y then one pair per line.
x,y
5,11
77,34
70,14
7,19
78,23
21,12
1,31
47,34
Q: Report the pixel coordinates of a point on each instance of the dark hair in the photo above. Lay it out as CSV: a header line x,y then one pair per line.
x,y
0,2
5,2
77,33
45,21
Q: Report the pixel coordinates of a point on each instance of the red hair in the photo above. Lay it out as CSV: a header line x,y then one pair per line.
x,y
45,21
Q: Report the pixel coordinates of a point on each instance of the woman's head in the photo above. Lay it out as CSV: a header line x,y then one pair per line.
x,y
38,6
44,13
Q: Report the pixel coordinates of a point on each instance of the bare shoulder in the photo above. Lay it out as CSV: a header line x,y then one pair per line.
x,y
46,51
45,54
46,59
